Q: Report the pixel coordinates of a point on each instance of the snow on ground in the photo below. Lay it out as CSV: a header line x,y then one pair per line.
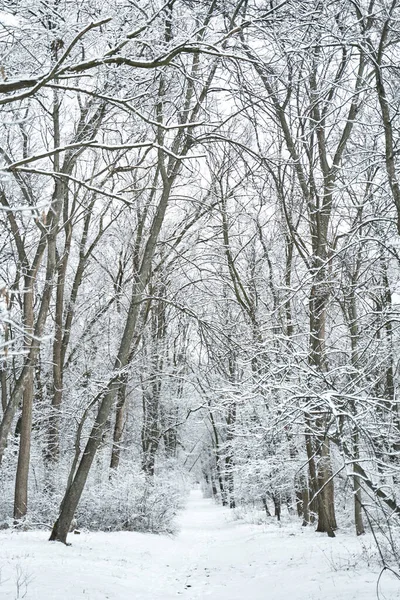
x,y
212,558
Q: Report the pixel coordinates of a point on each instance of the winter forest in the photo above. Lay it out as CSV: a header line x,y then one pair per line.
x,y
200,269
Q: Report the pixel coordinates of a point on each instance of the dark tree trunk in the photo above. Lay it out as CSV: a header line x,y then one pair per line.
x,y
21,480
322,481
221,482
214,487
326,505
305,494
358,507
4,394
277,506
150,427
119,425
264,501
299,502
53,447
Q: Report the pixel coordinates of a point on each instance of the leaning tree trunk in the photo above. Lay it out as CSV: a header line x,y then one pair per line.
x,y
78,481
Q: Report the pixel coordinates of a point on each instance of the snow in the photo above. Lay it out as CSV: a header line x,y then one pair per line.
x,y
213,557
8,20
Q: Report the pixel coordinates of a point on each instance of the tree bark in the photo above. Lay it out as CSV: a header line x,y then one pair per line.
x,y
305,495
21,480
4,394
326,497
119,425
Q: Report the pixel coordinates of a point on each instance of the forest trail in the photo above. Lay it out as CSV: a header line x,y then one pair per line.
x,y
231,560
212,558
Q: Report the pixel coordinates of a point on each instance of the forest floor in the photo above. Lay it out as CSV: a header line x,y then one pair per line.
x,y
212,558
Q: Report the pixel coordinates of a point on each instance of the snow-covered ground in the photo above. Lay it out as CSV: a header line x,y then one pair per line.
x,y
213,557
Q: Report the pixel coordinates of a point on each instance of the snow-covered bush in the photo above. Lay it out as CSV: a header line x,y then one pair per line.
x,y
131,501
126,500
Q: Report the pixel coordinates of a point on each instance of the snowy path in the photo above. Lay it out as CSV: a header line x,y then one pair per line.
x,y
213,558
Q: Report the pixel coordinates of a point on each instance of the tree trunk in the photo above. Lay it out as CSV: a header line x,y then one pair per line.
x,y
21,480
313,503
358,516
74,491
277,506
150,427
305,494
224,499
4,395
214,487
119,425
229,459
53,447
352,317
326,506
322,482
299,502
264,501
